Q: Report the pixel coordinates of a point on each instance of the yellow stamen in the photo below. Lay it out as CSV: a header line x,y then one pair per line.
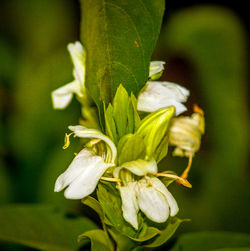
x,y
66,141
197,109
111,179
180,180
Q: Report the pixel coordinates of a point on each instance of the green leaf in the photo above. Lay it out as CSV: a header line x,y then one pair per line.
x,y
150,233
119,37
95,205
110,124
41,227
123,242
131,147
211,241
166,233
121,111
99,240
121,117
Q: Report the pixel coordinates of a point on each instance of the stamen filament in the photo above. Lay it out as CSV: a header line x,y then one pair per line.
x,y
180,180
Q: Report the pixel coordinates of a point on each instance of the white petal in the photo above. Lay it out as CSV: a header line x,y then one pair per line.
x,y
84,132
74,170
152,202
62,96
129,204
162,94
78,55
93,168
156,67
139,167
157,184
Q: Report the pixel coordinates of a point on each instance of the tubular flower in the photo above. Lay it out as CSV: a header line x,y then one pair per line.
x,y
87,167
185,133
157,95
150,196
62,96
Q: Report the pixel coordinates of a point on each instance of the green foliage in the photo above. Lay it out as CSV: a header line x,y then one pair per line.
x,y
148,234
42,227
121,117
119,43
131,147
212,241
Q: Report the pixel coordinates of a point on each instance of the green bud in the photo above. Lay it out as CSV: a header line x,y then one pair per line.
x,y
154,129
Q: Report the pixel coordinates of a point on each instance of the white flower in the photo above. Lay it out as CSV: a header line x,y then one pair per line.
x,y
150,196
84,132
82,175
157,95
155,69
62,96
86,169
130,205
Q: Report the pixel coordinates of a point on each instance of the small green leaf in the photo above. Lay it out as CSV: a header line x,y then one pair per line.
x,y
162,150
119,37
110,124
212,241
95,205
121,110
131,147
137,119
99,240
151,232
166,233
41,227
121,117
123,242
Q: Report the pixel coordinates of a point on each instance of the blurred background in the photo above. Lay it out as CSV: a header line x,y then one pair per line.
x,y
205,45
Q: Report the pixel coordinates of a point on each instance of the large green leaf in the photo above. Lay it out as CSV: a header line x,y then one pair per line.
x,y
211,241
119,37
42,227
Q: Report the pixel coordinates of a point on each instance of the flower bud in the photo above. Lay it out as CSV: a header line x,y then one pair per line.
x,y
185,133
154,129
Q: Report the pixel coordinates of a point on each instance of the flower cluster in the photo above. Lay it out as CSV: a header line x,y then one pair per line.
x,y
129,154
